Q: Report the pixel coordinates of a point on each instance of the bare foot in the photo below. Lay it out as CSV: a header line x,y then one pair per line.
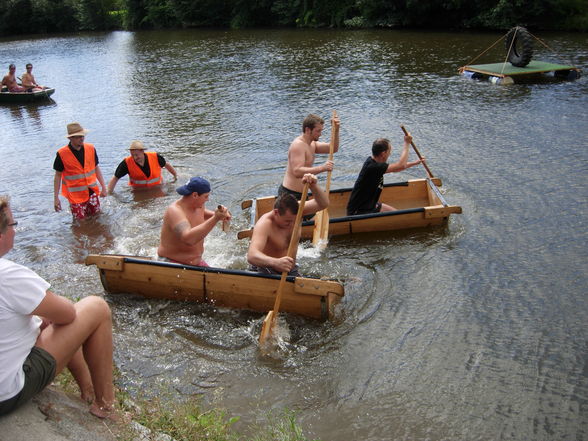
x,y
88,395
104,412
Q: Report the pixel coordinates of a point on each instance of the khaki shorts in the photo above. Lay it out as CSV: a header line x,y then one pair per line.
x,y
39,370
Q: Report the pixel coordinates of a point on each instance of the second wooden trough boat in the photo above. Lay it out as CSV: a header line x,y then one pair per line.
x,y
304,296
419,203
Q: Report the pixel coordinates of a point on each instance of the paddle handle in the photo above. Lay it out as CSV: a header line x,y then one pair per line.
x,y
418,154
334,134
292,247
225,223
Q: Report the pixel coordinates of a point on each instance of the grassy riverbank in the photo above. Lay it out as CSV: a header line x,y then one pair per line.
x,y
188,421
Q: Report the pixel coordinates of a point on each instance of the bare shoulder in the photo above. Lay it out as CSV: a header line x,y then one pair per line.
x,y
174,213
298,144
263,224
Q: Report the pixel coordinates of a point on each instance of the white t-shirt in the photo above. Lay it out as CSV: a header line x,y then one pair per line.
x,y
21,291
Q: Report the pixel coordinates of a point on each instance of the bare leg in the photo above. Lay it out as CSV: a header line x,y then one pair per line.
x,y
79,369
91,330
386,207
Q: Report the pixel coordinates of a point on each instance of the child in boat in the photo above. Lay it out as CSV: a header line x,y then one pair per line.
x,y
366,192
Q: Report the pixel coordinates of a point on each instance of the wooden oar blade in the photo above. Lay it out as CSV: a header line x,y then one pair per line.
x,y
320,234
318,225
267,329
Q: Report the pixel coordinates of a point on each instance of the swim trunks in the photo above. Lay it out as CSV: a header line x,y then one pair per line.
x,y
85,209
165,259
267,270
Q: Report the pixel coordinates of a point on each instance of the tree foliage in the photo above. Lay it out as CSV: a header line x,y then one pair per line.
x,y
45,16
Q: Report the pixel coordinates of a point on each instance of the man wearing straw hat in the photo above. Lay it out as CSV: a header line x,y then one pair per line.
x,y
143,168
78,174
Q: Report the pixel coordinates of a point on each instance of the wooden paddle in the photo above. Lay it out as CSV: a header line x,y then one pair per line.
x,y
225,224
320,233
269,323
418,153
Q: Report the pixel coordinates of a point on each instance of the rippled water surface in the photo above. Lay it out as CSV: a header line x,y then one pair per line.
x,y
476,330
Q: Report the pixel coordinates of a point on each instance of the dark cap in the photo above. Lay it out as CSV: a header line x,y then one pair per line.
x,y
194,185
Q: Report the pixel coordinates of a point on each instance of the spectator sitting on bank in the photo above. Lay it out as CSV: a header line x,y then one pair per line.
x,y
43,332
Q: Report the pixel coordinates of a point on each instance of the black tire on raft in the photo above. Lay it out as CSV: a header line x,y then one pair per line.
x,y
519,52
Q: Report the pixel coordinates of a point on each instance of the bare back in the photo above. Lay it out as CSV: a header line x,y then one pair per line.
x,y
175,220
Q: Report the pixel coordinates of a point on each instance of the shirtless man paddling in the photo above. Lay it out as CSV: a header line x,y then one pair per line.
x,y
301,155
268,250
187,222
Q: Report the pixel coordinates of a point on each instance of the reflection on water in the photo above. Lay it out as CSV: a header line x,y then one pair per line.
x,y
475,330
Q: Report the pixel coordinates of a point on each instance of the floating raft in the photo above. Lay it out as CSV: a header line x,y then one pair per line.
x,y
506,73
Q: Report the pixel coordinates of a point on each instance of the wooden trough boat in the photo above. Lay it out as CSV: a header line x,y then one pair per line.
x,y
419,203
25,97
303,296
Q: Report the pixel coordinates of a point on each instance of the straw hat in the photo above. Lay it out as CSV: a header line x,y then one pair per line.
x,y
75,129
137,145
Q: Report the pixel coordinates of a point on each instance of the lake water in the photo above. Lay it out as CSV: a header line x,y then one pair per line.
x,y
473,331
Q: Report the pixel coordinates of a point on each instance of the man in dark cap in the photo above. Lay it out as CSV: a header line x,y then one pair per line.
x,y
186,223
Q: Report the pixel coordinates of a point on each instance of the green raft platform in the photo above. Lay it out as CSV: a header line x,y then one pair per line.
x,y
506,73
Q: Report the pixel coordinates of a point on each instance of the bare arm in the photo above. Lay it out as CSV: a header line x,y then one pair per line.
x,y
325,147
56,309
402,162
56,187
192,235
101,181
112,184
320,199
172,170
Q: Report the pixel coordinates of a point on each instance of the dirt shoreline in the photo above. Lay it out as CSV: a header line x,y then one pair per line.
x,y
54,415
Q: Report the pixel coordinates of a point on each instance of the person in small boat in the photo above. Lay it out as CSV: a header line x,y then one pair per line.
x,y
28,80
268,249
9,80
78,174
187,222
42,333
143,168
366,191
302,152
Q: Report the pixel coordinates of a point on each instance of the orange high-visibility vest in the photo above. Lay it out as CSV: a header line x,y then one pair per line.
x,y
75,179
137,177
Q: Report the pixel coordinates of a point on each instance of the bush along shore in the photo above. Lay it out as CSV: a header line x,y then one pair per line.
x,y
99,15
